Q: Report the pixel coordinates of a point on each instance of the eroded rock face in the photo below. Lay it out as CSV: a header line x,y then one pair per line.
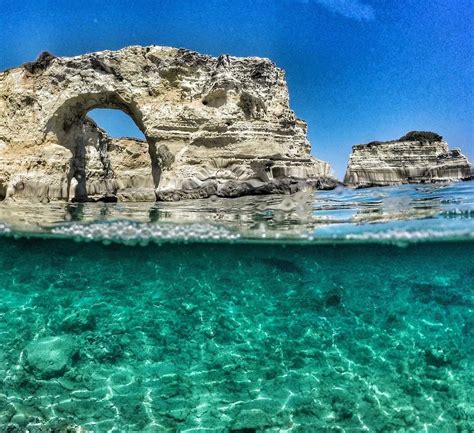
x,y
212,126
415,158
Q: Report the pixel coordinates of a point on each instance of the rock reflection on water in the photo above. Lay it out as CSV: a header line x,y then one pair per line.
x,y
441,210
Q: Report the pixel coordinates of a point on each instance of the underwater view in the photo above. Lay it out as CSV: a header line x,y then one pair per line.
x,y
335,311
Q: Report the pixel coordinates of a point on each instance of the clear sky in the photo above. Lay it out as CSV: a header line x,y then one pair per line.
x,y
358,70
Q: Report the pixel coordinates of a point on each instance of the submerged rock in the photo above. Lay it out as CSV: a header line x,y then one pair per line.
x,y
417,157
212,126
79,321
50,356
250,420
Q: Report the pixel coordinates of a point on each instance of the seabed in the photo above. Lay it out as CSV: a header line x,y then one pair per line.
x,y
258,327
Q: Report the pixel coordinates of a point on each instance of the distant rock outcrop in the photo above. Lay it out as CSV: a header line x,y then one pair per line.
x,y
417,157
218,126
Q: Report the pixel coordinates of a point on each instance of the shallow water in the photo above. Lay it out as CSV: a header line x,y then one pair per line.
x,y
304,334
408,212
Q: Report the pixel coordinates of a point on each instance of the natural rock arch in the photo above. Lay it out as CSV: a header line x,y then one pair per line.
x,y
213,126
75,131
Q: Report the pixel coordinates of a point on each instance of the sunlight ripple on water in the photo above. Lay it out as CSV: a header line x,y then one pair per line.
x,y
409,212
300,314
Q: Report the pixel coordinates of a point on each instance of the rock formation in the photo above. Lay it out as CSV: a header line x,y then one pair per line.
x,y
218,126
50,356
414,158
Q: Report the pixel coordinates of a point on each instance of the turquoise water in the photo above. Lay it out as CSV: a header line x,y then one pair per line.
x,y
408,212
369,331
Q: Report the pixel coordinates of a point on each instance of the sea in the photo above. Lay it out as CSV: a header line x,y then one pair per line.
x,y
331,311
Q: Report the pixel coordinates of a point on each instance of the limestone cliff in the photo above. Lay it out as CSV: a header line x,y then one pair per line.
x,y
415,158
212,126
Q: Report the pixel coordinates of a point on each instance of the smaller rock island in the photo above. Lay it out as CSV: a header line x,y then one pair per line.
x,y
417,157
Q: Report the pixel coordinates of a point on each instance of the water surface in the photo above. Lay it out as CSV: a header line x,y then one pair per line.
x,y
409,212
346,311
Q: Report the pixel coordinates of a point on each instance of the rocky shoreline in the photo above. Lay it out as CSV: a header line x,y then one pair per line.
x,y
213,127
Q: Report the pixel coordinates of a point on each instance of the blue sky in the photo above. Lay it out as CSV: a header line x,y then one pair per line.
x,y
358,70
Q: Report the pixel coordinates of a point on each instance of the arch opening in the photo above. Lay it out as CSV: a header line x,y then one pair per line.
x,y
115,163
116,123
